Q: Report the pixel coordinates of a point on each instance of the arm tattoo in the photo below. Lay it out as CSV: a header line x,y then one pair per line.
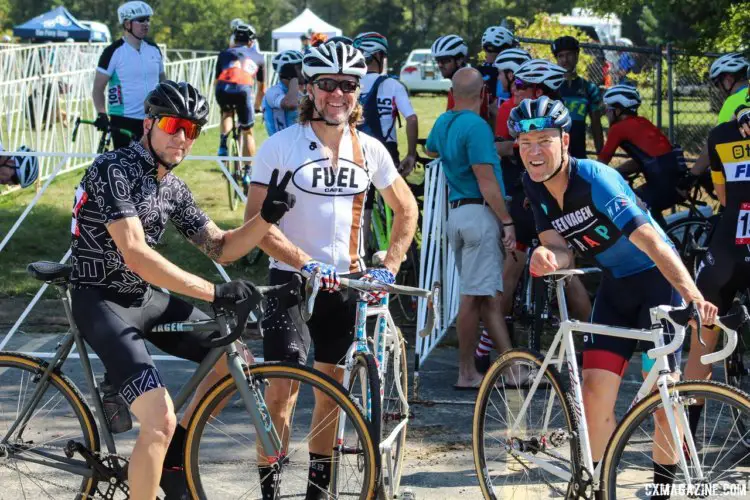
x,y
210,240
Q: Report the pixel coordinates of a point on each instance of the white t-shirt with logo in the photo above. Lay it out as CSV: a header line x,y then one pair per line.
x,y
393,99
326,221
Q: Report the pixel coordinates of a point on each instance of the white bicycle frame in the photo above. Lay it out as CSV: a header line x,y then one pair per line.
x,y
659,373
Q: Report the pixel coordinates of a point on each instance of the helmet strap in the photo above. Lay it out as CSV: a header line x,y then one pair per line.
x,y
168,166
131,31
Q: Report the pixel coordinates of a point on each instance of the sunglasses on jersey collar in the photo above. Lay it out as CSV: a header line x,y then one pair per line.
x,y
330,85
172,124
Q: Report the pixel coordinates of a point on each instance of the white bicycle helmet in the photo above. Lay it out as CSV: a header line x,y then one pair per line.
x,y
370,43
287,57
132,10
27,168
538,114
541,72
235,22
333,58
511,59
499,37
728,63
623,96
449,46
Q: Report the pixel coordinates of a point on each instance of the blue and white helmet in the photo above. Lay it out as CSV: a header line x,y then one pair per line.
x,y
511,59
728,63
623,96
333,58
27,168
449,46
370,43
286,57
132,10
538,114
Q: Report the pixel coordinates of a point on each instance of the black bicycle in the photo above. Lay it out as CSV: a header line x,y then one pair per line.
x,y
105,139
51,445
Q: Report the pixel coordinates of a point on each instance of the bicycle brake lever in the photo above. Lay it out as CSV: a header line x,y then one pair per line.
x,y
311,291
695,315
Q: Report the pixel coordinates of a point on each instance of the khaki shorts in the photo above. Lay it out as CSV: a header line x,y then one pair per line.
x,y
474,236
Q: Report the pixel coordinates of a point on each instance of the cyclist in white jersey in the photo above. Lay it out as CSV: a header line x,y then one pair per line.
x,y
333,165
281,101
128,69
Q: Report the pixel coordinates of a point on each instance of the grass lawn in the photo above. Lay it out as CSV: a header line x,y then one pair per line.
x,y
45,234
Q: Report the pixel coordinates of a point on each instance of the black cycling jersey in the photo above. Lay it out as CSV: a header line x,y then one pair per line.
x,y
726,266
117,185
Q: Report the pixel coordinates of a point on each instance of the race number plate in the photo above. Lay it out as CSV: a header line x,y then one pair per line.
x,y
743,225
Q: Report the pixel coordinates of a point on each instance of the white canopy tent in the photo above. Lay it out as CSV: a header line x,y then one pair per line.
x,y
287,37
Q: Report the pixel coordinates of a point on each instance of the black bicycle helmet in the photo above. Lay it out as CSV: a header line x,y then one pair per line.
x,y
177,99
565,43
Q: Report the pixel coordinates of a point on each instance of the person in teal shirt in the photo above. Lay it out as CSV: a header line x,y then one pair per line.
x,y
478,221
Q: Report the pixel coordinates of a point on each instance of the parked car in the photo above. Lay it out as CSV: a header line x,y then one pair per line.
x,y
421,74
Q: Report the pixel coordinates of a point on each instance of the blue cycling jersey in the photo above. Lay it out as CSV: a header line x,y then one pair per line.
x,y
275,117
599,213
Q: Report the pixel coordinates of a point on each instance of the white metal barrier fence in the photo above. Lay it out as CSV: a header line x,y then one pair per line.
x,y
39,111
437,263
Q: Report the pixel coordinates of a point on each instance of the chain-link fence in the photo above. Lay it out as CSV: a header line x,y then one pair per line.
x,y
677,95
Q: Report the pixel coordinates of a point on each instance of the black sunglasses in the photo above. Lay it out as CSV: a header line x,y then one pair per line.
x,y
142,20
330,85
443,60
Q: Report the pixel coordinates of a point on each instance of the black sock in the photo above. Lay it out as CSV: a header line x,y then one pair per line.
x,y
318,477
663,475
268,482
694,416
173,457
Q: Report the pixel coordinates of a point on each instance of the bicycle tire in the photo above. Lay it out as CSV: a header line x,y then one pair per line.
x,y
482,407
10,361
688,390
365,385
408,275
689,236
224,389
235,170
394,411
736,374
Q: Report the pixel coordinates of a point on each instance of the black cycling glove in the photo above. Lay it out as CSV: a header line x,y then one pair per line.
x,y
102,122
227,295
278,201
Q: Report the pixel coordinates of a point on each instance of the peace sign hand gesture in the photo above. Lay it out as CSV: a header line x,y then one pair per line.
x,y
278,201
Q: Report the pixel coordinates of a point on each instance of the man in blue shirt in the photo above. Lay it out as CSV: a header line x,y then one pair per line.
x,y
586,206
465,144
281,101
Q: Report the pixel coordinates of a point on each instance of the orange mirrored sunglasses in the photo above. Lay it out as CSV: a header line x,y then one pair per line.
x,y
172,124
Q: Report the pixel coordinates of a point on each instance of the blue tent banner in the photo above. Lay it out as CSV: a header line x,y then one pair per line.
x,y
56,25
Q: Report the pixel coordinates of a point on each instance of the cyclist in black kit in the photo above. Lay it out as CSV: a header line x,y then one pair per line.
x,y
121,210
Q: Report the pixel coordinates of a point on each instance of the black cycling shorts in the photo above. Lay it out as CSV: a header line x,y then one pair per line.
x,y
523,222
626,302
723,271
231,96
132,125
116,327
286,337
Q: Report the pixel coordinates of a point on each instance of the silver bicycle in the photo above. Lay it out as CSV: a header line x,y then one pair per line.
x,y
530,438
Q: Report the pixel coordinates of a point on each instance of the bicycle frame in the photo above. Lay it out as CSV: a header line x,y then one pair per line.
x,y
563,350
248,389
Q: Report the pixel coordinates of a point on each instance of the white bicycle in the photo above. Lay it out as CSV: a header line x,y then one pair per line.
x,y
530,438
375,374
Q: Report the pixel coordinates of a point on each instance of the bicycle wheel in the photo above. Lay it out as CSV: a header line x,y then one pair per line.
x,y
221,459
504,458
395,415
690,236
737,374
60,416
408,275
235,168
627,468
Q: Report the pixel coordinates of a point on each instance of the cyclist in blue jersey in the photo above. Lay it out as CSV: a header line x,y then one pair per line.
x,y
586,206
581,97
281,101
